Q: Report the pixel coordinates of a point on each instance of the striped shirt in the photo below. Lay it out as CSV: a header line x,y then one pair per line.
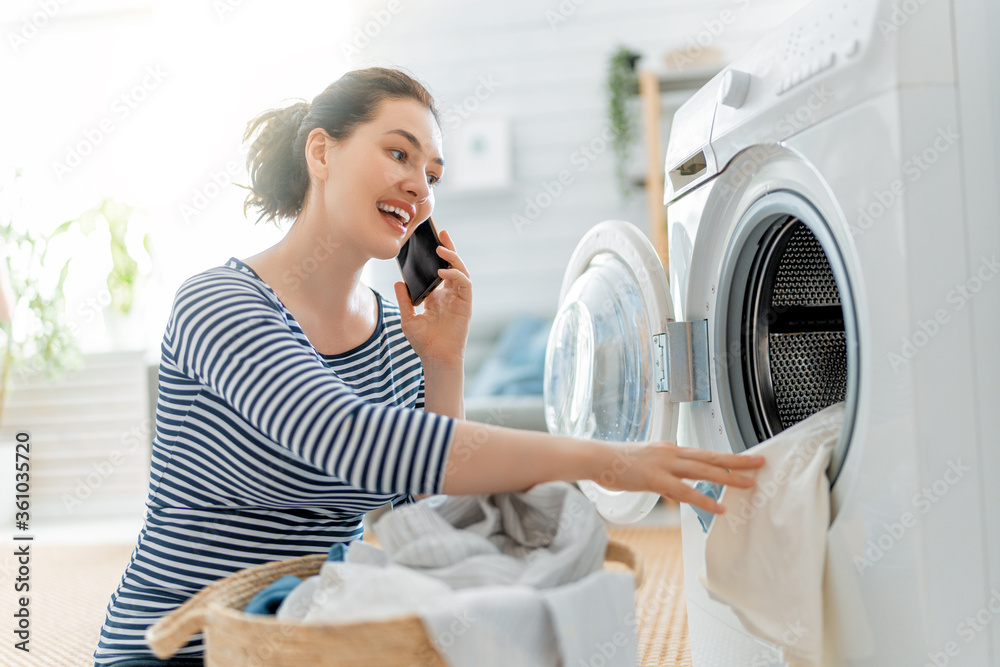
x,y
264,448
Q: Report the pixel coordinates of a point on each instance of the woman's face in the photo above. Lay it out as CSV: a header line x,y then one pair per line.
x,y
381,178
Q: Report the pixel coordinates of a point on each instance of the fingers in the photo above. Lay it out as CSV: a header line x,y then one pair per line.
x,y
690,469
736,461
406,309
457,281
446,251
689,495
446,239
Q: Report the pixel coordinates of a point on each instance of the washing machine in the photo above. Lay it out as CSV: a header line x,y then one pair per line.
x,y
834,232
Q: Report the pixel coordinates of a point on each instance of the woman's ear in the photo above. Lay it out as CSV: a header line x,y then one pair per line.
x,y
318,143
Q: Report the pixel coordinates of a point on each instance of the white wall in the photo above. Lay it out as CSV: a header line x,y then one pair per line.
x,y
223,61
547,62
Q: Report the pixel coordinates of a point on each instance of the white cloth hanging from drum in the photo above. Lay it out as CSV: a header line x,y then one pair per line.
x,y
765,557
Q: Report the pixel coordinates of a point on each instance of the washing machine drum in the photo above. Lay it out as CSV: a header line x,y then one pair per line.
x,y
795,346
786,330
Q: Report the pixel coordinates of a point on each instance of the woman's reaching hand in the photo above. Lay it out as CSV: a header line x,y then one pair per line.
x,y
491,459
662,466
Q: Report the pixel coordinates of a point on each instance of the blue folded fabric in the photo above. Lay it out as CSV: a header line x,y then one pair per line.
x,y
268,600
713,491
338,552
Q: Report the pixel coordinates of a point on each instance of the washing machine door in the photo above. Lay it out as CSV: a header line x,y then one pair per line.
x,y
606,365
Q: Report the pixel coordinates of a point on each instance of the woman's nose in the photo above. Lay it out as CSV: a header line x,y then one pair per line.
x,y
419,188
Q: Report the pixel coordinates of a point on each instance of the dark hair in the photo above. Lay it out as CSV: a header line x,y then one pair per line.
x,y
276,162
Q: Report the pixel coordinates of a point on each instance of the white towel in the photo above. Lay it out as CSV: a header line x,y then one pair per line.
x,y
765,557
520,576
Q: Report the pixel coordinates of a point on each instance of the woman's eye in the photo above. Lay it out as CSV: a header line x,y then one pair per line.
x,y
433,180
397,154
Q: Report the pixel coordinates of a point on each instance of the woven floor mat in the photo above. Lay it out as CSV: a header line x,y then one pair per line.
x,y
71,587
660,607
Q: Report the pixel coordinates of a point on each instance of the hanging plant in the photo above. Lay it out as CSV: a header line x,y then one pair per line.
x,y
622,86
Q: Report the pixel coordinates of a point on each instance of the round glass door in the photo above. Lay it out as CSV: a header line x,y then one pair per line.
x,y
600,357
599,364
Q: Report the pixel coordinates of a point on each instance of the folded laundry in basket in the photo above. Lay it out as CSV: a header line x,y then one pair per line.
x,y
766,556
502,579
269,599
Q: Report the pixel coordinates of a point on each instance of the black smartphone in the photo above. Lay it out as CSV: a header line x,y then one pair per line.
x,y
419,262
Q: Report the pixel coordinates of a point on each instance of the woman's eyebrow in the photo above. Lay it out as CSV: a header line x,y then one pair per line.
x,y
416,143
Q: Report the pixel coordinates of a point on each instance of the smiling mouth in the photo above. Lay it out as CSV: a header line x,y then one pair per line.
x,y
403,217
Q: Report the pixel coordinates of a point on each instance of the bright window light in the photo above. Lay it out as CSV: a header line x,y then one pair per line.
x,y
145,102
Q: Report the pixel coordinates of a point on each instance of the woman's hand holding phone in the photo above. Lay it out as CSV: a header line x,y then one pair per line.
x,y
439,333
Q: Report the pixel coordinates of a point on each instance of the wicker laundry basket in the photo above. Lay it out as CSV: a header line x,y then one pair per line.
x,y
236,639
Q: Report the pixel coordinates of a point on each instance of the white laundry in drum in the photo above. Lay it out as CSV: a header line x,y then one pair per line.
x,y
765,557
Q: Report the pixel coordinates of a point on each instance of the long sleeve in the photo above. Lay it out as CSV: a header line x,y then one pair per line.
x,y
230,335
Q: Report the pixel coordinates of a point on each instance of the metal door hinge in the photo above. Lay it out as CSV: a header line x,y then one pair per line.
x,y
681,359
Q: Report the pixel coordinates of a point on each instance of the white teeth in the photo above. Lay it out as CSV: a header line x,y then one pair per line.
x,y
398,211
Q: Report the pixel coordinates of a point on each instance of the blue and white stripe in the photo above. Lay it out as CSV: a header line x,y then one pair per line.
x,y
265,449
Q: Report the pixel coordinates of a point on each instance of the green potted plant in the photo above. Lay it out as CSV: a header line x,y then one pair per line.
x,y
35,333
622,87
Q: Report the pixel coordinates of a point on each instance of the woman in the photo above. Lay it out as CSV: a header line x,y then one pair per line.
x,y
293,398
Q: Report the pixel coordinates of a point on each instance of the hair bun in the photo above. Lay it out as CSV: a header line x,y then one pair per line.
x,y
278,181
